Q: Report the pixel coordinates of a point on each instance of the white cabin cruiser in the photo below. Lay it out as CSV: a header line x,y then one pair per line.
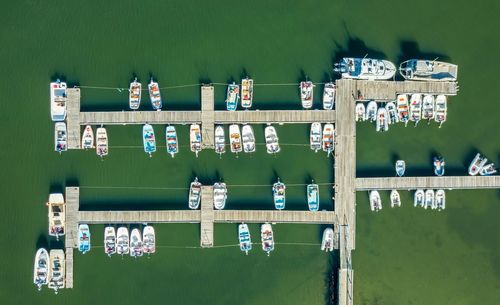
x,y
315,136
375,201
58,101
248,138
427,70
272,140
329,96
366,68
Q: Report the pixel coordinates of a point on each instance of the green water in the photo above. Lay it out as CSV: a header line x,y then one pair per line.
x,y
404,256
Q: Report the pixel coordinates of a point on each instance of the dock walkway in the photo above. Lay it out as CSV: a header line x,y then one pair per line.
x,y
207,217
411,183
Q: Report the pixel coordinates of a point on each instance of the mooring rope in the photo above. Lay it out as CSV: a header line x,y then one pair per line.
x,y
187,188
225,246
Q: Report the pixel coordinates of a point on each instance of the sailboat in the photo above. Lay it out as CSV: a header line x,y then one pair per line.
x,y
220,141
194,194
134,96
246,92
400,168
402,104
382,119
136,249
416,108
244,238
306,94
428,70
392,112
195,138
58,101
440,200
313,197
154,95
315,136
327,240
328,132
371,111
429,199
148,138
441,109
329,96
272,140
171,140
101,142
57,215
220,195
477,164
428,107
418,198
109,241
279,195
88,137
395,199
248,138
233,94
122,241
149,240
365,68
60,137
267,238
57,272
360,112
83,238
41,268
235,138
375,202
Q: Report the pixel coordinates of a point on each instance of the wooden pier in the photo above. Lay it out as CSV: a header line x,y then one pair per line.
x,y
412,183
388,90
69,267
73,118
207,217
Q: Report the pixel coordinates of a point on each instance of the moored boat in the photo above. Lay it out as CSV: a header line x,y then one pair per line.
x,y
395,199
248,139
313,197
429,199
418,198
220,195
41,268
360,112
392,112
327,240
101,142
272,140
315,136
194,194
235,138
371,111
441,109
136,246
83,238
219,140
154,95
382,119
428,70
246,92
327,143
58,100
279,195
244,238
375,202
148,138
57,273
171,140
134,94
267,238
365,68
488,170
439,165
400,168
122,241
57,215
440,200
60,137
88,137
195,138
477,164
402,104
329,96
428,107
109,240
306,94
416,108
233,94
149,240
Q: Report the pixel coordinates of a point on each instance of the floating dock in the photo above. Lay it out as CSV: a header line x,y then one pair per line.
x,y
444,182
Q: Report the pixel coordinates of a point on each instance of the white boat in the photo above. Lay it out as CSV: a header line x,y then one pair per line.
x,y
392,112
315,136
109,241
88,137
101,142
195,138
41,268
171,140
248,139
366,68
272,140
58,101
441,109
220,195
428,70
327,240
60,137
439,165
360,112
235,138
402,104
428,107
418,198
313,197
440,200
477,164
154,95
148,139
122,241
279,195
83,238
429,199
382,119
329,96
134,94
219,140
395,199
246,92
233,95
400,168
267,238
306,94
488,170
328,134
136,249
244,238
416,108
375,201
57,272
194,194
371,111
149,240
57,215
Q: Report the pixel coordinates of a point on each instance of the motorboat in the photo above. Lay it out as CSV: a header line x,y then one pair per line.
x,y
246,92
194,194
88,137
477,164
428,70
365,68
101,142
233,94
60,137
219,140
329,96
58,100
41,268
440,200
360,112
488,170
134,94
244,238
441,109
248,138
315,136
375,201
429,199
402,104
148,138
392,112
306,94
328,134
136,246
149,240
327,240
418,198
279,195
395,199
267,238
313,197
171,140
154,95
235,138
195,138
57,215
382,119
83,238
57,272
220,195
371,111
109,240
400,168
428,107
439,165
122,241
272,140
416,108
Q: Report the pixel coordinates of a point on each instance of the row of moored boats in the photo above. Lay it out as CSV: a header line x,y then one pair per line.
x,y
426,199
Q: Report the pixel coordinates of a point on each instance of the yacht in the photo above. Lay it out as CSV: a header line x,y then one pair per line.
x,y
429,199
58,100
306,94
329,96
440,200
244,238
395,199
88,137
439,166
427,70
246,92
57,215
122,241
148,139
360,112
402,104
220,140
101,142
279,195
136,246
382,119
477,164
418,198
375,202
248,138
428,107
109,241
41,268
315,136
327,241
328,133
371,111
171,140
220,195
149,240
233,94
441,109
272,140
195,138
235,138
416,108
60,137
83,238
392,112
57,271
365,68
194,194
154,95
134,94
400,168
267,238
313,197
488,170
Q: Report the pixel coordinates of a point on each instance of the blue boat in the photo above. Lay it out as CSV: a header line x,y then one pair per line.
x,y
439,166
313,197
400,168
149,141
244,238
233,95
279,195
171,135
83,238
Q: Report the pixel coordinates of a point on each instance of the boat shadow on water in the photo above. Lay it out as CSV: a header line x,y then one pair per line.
x,y
354,47
411,50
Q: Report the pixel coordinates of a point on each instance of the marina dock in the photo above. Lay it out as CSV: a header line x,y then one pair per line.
x,y
412,183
